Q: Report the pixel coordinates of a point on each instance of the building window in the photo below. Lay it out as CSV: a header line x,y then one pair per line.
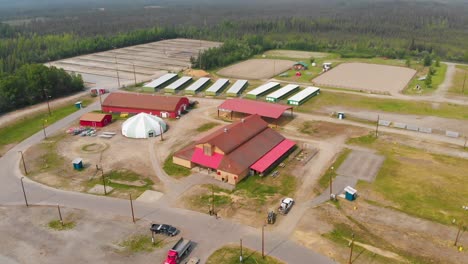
x,y
207,150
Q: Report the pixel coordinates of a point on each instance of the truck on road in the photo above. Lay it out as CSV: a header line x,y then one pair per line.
x,y
285,205
177,252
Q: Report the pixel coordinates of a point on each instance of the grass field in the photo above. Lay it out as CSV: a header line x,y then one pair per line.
x,y
174,170
124,181
140,243
457,85
56,225
326,98
207,126
420,183
437,79
26,127
230,255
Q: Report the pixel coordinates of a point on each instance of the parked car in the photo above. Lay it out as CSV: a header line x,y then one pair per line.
x,y
285,205
164,229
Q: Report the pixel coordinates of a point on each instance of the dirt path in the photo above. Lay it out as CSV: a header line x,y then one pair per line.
x,y
443,88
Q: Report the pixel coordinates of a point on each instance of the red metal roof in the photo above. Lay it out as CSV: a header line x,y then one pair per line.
x,y
254,107
143,101
273,155
208,161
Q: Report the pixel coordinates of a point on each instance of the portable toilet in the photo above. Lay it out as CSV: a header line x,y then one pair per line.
x,y
350,193
77,164
78,105
341,115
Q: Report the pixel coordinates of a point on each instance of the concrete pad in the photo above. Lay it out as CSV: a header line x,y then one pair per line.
x,y
99,189
150,196
361,165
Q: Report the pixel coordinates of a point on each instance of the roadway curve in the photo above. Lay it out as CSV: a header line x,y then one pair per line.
x,y
209,233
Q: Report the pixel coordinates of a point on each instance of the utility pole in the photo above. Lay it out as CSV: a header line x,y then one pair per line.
x,y
24,164
152,237
161,134
464,145
377,127
351,251
131,206
263,241
100,99
117,69
43,127
460,227
47,99
60,214
103,179
331,181
212,200
241,258
24,192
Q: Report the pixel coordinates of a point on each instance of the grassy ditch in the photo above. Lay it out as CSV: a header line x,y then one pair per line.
x,y
420,183
207,126
230,255
327,98
28,126
175,170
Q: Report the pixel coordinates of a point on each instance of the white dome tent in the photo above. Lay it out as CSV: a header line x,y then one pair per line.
x,y
143,125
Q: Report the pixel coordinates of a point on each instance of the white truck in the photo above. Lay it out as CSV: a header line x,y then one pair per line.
x,y
285,205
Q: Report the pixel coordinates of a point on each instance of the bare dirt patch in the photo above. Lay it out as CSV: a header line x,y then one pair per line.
x,y
323,130
374,78
256,69
28,239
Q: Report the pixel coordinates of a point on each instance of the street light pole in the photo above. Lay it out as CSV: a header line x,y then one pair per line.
x,y
103,180
24,192
351,251
377,127
60,214
131,206
117,69
331,181
263,241
47,99
24,164
134,74
43,128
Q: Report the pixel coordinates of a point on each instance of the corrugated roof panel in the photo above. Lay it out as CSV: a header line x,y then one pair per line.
x,y
304,94
218,85
175,85
198,84
283,91
237,86
161,80
263,88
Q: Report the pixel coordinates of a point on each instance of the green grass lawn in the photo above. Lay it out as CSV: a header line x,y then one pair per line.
x,y
326,98
140,243
56,225
26,127
260,188
457,84
207,126
420,183
175,170
437,79
231,254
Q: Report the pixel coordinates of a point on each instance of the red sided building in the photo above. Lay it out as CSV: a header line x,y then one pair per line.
x,y
95,120
135,103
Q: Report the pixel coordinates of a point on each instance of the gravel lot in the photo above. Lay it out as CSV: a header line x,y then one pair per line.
x,y
373,78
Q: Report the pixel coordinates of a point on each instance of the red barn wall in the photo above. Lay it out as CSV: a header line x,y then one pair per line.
x,y
172,114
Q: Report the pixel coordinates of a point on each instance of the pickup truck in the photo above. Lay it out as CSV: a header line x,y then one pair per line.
x,y
177,252
285,205
164,229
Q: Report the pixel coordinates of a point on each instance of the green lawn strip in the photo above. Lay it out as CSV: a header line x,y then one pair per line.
x,y
342,234
141,243
26,127
207,126
326,98
324,181
260,188
175,170
364,140
421,184
231,254
56,225
437,79
461,73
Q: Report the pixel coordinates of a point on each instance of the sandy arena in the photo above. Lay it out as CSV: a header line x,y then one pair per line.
x,y
296,54
374,78
256,69
141,62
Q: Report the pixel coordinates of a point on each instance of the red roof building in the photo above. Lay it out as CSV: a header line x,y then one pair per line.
x,y
95,119
135,103
237,150
252,107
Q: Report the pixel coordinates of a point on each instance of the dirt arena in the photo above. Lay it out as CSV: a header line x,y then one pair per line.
x,y
374,78
141,62
256,69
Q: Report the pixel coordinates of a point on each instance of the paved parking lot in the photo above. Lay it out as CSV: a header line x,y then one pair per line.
x,y
361,165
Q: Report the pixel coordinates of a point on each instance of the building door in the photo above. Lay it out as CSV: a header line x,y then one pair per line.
x,y
151,133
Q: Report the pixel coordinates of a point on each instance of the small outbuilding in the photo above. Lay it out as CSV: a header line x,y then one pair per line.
x,y
77,164
300,65
95,119
143,126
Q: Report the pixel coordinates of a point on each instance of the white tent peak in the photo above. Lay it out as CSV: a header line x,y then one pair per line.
x,y
143,125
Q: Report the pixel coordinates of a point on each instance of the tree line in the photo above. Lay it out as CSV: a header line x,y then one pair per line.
x,y
34,83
